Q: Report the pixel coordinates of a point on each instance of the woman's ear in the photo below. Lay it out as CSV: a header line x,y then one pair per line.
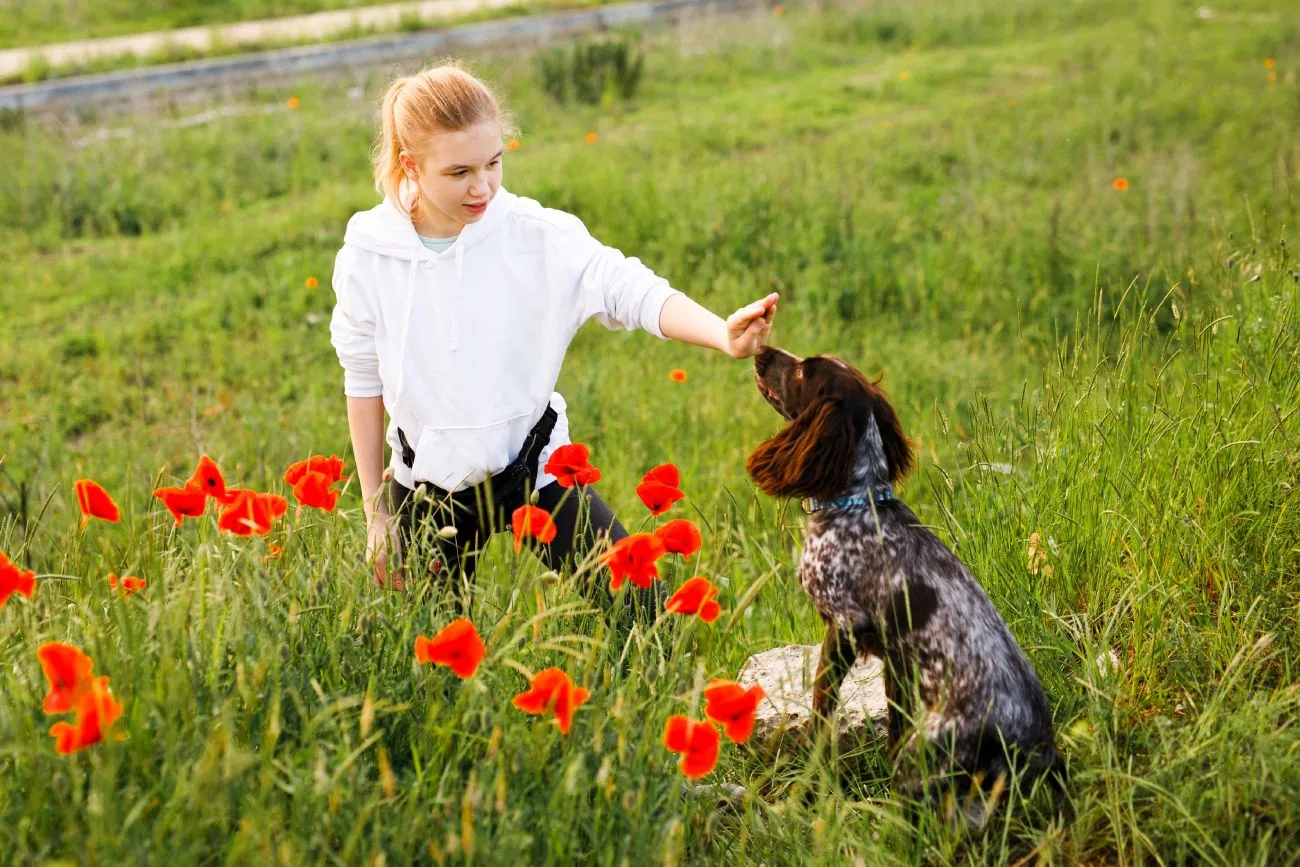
x,y
813,456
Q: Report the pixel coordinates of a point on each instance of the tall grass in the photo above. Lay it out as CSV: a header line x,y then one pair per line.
x,y
1112,375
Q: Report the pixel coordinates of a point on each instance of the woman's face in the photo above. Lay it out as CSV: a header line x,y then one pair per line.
x,y
459,175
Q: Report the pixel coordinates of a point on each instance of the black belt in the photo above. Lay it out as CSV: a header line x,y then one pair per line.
x,y
507,486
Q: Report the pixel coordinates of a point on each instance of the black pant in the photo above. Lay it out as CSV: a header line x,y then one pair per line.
x,y
581,519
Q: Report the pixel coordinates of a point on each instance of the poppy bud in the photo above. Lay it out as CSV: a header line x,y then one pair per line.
x,y
532,498
448,532
551,577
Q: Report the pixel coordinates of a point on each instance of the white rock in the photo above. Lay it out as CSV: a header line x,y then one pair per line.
x,y
786,675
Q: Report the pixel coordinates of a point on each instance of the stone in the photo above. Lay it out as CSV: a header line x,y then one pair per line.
x,y
786,675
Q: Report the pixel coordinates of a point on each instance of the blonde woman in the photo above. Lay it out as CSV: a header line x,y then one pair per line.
x,y
456,303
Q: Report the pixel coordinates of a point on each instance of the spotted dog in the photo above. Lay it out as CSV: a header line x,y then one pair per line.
x,y
962,696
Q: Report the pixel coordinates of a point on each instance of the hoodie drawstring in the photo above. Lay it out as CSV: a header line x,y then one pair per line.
x,y
406,330
460,270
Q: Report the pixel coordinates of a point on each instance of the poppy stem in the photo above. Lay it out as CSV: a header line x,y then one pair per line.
x,y
56,575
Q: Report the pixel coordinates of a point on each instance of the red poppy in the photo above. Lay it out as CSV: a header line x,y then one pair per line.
x,y
532,521
207,478
272,551
732,706
666,473
251,512
68,671
677,375
695,597
1120,184
680,536
14,580
698,743
97,710
570,466
660,488
551,691
457,646
331,466
95,502
127,584
313,489
182,502
633,559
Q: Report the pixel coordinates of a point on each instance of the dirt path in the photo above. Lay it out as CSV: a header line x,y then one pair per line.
x,y
319,25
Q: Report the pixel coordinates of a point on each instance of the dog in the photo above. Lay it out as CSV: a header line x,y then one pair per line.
x,y
962,695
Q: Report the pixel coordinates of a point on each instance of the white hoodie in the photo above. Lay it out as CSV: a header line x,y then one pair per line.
x,y
465,346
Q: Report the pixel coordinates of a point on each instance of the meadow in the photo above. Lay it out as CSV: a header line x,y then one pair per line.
x,y
1062,231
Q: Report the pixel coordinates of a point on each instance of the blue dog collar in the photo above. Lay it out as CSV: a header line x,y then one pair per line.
x,y
879,496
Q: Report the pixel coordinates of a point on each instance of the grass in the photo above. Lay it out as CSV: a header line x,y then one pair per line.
x,y
1115,372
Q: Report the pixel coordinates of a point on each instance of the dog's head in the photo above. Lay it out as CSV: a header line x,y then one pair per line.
x,y
830,407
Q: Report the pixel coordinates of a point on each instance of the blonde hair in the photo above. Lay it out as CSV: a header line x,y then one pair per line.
x,y
439,98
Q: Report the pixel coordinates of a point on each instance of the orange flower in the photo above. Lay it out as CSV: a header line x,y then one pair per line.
x,y
182,502
293,103
68,671
458,646
127,585
633,559
311,282
680,536
551,691
207,478
97,710
659,488
732,706
904,75
570,466
1120,184
14,580
331,467
532,521
313,489
592,138
695,597
1269,63
512,145
677,375
95,502
1272,77
698,743
272,551
251,512
778,11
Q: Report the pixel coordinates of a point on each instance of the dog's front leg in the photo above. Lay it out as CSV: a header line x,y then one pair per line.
x,y
838,653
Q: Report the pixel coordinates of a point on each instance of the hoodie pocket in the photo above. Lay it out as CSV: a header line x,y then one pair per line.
x,y
459,457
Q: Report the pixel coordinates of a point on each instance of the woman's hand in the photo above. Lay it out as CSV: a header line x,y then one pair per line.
x,y
748,328
384,549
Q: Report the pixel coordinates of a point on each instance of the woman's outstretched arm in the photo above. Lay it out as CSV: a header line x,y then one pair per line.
x,y
743,333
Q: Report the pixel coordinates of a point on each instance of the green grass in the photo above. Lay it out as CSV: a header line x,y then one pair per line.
x,y
1130,357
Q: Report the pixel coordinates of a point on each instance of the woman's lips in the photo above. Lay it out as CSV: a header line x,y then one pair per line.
x,y
476,209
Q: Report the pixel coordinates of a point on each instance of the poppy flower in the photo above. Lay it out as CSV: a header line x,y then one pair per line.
x,y
331,467
660,488
512,145
633,559
97,710
677,375
272,551
570,466
182,502
207,478
457,646
532,521
551,691
1269,63
313,489
695,597
293,103
680,536
95,502
14,580
311,282
127,584
698,743
68,671
1120,184
592,138
251,512
732,706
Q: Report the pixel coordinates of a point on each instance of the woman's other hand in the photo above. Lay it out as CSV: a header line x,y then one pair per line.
x,y
384,549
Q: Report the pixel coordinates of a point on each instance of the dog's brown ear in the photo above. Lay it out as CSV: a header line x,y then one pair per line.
x,y
813,456
898,448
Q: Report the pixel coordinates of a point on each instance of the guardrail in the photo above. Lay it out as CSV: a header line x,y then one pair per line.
x,y
195,75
